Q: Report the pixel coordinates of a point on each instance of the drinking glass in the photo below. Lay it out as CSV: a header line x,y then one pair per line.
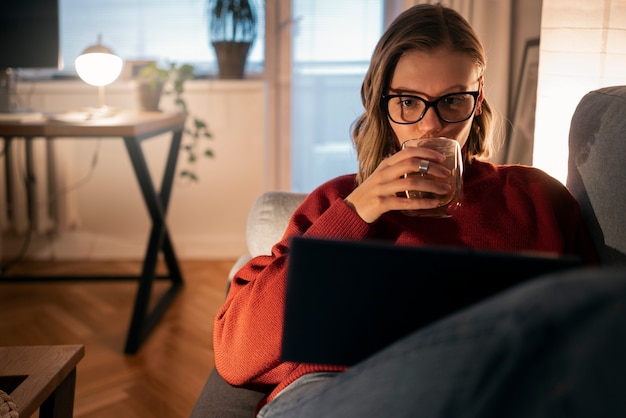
x,y
451,201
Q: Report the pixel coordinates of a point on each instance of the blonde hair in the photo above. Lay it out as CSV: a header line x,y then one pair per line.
x,y
423,27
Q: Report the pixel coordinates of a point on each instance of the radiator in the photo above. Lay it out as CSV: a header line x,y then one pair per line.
x,y
33,193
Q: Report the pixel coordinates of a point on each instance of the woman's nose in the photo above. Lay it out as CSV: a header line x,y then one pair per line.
x,y
430,122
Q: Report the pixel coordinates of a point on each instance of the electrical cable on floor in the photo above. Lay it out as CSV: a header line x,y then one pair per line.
x,y
27,239
26,242
20,255
80,183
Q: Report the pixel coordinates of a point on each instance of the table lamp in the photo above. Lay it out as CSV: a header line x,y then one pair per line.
x,y
99,66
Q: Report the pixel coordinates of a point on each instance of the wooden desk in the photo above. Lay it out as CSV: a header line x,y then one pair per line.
x,y
41,377
133,127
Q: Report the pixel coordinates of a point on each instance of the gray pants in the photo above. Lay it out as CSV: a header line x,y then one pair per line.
x,y
553,347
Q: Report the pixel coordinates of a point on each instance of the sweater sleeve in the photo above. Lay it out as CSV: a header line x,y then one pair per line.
x,y
248,328
556,206
577,237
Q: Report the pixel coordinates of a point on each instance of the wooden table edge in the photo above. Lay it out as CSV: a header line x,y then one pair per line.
x,y
38,386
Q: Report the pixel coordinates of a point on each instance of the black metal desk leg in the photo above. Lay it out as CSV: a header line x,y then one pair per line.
x,y
143,321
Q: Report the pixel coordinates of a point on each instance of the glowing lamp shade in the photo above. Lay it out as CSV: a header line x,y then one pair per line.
x,y
99,66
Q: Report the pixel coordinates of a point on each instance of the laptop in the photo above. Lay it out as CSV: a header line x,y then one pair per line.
x,y
346,300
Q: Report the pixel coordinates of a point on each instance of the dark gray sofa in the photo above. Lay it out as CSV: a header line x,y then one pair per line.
x,y
596,177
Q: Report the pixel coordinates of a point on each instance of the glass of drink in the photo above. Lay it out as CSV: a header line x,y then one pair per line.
x,y
449,202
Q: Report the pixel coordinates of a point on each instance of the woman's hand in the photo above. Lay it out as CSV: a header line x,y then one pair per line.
x,y
378,194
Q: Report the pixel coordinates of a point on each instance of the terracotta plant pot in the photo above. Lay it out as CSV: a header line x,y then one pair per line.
x,y
148,95
231,58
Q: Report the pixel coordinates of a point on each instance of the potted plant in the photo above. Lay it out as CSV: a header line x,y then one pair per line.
x,y
232,30
153,82
149,86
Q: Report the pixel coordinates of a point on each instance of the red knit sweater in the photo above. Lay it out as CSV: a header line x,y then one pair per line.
x,y
509,208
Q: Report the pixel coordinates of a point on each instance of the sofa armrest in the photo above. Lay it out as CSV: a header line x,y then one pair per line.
x,y
268,218
243,259
596,168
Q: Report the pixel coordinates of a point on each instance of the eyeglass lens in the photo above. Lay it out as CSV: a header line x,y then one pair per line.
x,y
455,107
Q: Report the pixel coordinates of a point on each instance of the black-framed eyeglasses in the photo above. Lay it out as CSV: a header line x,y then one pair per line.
x,y
452,108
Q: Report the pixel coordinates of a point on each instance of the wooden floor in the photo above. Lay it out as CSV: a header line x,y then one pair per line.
x,y
167,374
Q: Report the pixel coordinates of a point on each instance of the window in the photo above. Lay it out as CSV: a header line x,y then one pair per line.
x,y
330,54
332,46
162,30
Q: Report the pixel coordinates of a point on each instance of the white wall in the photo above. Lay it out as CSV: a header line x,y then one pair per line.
x,y
206,219
582,48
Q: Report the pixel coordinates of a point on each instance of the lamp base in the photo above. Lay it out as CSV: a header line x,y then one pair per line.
x,y
100,112
86,114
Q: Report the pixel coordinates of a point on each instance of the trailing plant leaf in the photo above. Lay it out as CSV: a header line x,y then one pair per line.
x,y
174,78
191,175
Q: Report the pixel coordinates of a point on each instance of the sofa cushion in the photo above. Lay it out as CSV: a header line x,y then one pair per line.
x,y
596,174
219,400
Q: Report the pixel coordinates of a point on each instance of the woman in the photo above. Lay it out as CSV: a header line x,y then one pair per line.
x,y
429,61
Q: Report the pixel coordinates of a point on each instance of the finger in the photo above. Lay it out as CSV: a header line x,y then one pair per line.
x,y
413,152
420,183
427,167
402,203
393,168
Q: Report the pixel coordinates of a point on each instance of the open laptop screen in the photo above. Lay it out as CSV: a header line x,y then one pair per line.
x,y
347,299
